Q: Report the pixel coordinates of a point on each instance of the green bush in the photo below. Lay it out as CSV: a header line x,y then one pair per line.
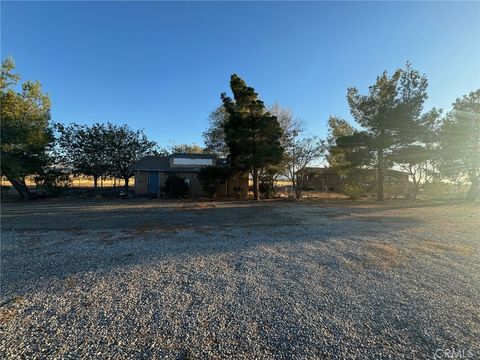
x,y
212,177
266,186
353,191
175,187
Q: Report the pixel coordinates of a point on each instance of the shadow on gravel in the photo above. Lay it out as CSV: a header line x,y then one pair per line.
x,y
106,215
65,241
366,206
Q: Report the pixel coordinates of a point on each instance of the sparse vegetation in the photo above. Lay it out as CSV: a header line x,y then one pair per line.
x,y
353,191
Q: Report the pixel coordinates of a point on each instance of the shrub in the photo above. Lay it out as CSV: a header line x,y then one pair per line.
x,y
353,191
396,190
266,186
212,177
175,187
52,182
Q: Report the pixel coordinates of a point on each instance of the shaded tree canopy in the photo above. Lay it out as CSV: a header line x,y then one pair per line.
x,y
125,147
212,177
102,149
84,149
459,139
388,115
214,136
336,155
25,134
419,157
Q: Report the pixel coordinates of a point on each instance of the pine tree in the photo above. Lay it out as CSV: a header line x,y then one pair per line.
x,y
388,115
460,142
252,134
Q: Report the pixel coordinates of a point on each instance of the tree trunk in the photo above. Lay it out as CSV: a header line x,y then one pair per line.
x,y
126,178
381,175
416,189
20,186
474,190
255,184
95,181
298,188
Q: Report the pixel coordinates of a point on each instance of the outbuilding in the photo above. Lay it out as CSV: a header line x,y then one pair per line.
x,y
152,171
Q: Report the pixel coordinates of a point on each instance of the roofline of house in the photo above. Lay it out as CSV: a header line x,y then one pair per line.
x,y
169,170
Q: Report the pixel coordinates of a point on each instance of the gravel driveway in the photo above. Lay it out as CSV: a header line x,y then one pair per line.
x,y
151,279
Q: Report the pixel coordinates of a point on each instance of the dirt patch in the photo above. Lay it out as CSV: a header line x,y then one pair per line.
x,y
152,227
436,248
383,256
9,309
195,206
74,230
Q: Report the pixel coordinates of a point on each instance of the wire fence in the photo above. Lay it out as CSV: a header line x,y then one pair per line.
x,y
78,181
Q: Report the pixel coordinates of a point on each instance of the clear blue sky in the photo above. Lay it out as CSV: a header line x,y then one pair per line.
x,y
162,66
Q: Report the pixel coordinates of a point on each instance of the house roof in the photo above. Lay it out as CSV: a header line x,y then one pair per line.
x,y
152,163
162,163
192,156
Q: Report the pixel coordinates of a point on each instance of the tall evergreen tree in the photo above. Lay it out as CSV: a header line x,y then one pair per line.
x,y
388,115
419,157
252,134
460,142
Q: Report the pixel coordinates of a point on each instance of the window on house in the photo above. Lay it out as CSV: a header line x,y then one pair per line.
x,y
142,177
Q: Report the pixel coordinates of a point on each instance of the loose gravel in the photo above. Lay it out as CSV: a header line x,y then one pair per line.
x,y
150,279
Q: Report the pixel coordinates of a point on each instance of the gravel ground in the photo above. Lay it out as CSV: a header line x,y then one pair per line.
x,y
151,279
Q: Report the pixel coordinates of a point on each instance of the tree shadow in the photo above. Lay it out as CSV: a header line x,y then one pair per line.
x,y
55,240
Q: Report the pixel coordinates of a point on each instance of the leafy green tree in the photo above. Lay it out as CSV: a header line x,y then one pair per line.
x,y
214,136
336,155
186,148
212,177
124,147
25,134
388,116
252,134
84,149
460,142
